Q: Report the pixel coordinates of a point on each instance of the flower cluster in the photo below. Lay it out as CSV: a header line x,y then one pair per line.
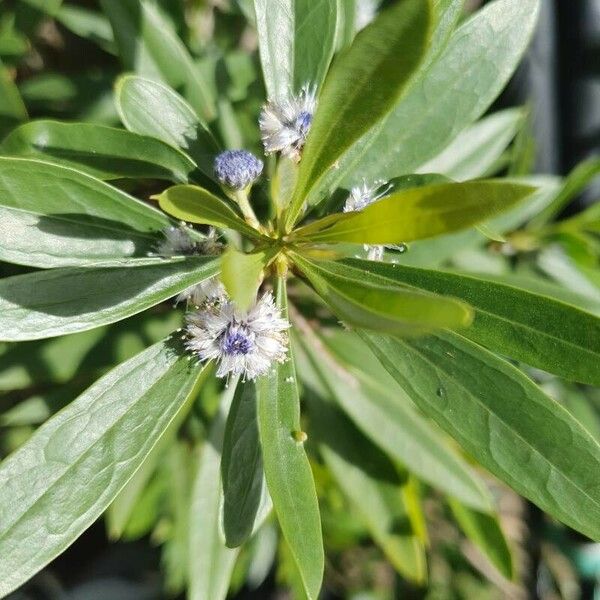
x,y
178,241
242,343
237,169
285,122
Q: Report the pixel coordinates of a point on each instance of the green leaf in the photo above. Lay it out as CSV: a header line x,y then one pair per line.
x,y
197,205
288,473
370,481
53,216
242,274
573,185
447,96
485,532
387,417
362,87
59,301
530,327
65,476
12,108
149,45
475,152
152,109
296,42
210,562
371,302
417,213
246,502
436,251
503,420
89,25
103,152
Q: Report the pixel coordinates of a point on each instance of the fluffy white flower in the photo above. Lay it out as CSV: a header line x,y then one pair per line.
x,y
177,242
285,122
200,295
244,344
360,197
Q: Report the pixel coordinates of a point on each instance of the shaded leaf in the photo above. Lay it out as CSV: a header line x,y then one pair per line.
x,y
59,301
100,151
53,216
210,563
503,420
149,46
485,532
530,327
246,502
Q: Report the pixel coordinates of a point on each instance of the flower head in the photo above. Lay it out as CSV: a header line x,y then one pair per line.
x,y
203,295
237,169
242,343
178,242
285,122
362,195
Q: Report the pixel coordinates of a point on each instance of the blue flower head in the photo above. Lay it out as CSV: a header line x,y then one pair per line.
x,y
237,169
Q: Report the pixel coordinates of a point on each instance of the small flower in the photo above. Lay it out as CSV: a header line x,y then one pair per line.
x,y
206,294
242,343
237,169
360,197
177,242
285,122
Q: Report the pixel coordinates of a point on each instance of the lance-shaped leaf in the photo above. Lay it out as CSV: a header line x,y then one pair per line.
x,y
418,213
503,420
246,502
103,152
288,473
59,301
530,327
197,205
296,41
387,417
210,562
372,303
53,216
485,532
371,482
153,109
149,46
362,87
478,149
64,477
242,274
450,94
